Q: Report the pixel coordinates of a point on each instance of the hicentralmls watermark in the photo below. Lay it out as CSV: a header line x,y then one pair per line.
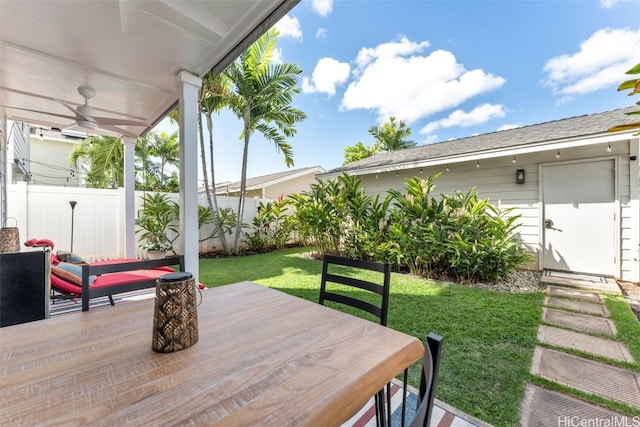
x,y
615,421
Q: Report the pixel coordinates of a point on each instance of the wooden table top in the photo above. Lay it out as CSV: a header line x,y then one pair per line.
x,y
263,358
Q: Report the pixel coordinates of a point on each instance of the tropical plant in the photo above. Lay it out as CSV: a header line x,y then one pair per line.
x,y
634,85
226,222
101,160
165,150
456,236
318,215
260,94
157,219
271,227
390,136
410,223
356,152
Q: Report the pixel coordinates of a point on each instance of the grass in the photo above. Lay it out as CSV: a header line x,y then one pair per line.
x,y
627,326
489,337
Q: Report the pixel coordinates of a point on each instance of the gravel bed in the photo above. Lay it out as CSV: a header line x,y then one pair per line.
x,y
631,293
521,281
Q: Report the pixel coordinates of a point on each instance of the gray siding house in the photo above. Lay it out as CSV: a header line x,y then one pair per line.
x,y
274,185
574,184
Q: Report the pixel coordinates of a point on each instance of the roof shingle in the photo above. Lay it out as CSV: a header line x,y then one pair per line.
x,y
574,127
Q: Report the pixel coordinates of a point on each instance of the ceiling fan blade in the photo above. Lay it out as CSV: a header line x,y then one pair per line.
x,y
119,131
102,121
74,110
39,112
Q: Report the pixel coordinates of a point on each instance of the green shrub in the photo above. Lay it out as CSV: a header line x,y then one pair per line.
x,y
459,236
271,227
455,236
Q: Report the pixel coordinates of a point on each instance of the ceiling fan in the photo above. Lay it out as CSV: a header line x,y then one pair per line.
x,y
86,118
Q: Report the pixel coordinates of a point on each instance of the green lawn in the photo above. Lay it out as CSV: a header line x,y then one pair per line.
x,y
489,336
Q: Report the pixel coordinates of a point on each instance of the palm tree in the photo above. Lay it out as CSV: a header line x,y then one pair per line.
x,y
101,159
143,166
213,97
357,152
634,85
166,149
392,135
260,95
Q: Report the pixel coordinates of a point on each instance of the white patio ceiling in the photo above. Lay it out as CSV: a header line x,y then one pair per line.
x,y
128,51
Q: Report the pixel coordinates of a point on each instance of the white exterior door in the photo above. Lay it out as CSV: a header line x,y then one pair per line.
x,y
579,217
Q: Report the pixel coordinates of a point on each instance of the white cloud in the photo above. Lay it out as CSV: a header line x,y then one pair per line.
x,y
600,63
327,74
277,56
431,139
321,33
481,114
289,26
509,126
607,4
394,79
322,7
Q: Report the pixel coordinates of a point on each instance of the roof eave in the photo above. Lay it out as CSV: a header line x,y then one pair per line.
x,y
528,148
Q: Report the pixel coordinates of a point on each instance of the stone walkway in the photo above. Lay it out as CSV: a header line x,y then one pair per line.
x,y
576,322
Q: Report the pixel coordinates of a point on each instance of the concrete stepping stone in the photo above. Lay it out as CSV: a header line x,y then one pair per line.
x,y
557,291
583,306
580,322
581,281
541,407
587,343
589,376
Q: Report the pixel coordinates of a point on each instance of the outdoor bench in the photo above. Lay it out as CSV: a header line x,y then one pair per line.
x,y
112,277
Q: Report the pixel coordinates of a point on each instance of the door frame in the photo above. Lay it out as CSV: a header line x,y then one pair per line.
x,y
616,207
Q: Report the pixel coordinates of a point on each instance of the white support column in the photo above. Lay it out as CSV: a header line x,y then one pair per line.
x,y
129,197
634,202
188,86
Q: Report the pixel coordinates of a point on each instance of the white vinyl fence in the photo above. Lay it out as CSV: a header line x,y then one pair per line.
x,y
44,212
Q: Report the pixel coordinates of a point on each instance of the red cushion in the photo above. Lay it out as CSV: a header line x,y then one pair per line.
x,y
64,286
37,242
111,279
123,260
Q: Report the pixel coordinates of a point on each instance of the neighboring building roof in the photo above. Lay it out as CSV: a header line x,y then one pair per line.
x,y
538,134
271,179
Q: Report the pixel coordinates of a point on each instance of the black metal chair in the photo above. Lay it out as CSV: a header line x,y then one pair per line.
x,y
430,368
377,306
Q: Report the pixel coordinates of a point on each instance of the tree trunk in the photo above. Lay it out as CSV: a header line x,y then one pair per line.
x,y
213,196
212,207
243,186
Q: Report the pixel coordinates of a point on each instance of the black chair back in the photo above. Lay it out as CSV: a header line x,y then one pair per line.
x,y
382,289
380,308
430,368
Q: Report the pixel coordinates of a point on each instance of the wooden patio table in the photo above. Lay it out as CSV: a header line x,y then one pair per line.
x,y
263,358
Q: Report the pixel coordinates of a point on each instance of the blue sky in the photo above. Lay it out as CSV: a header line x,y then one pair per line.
x,y
449,69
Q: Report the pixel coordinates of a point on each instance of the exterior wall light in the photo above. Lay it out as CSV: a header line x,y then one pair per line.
x,y
520,176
